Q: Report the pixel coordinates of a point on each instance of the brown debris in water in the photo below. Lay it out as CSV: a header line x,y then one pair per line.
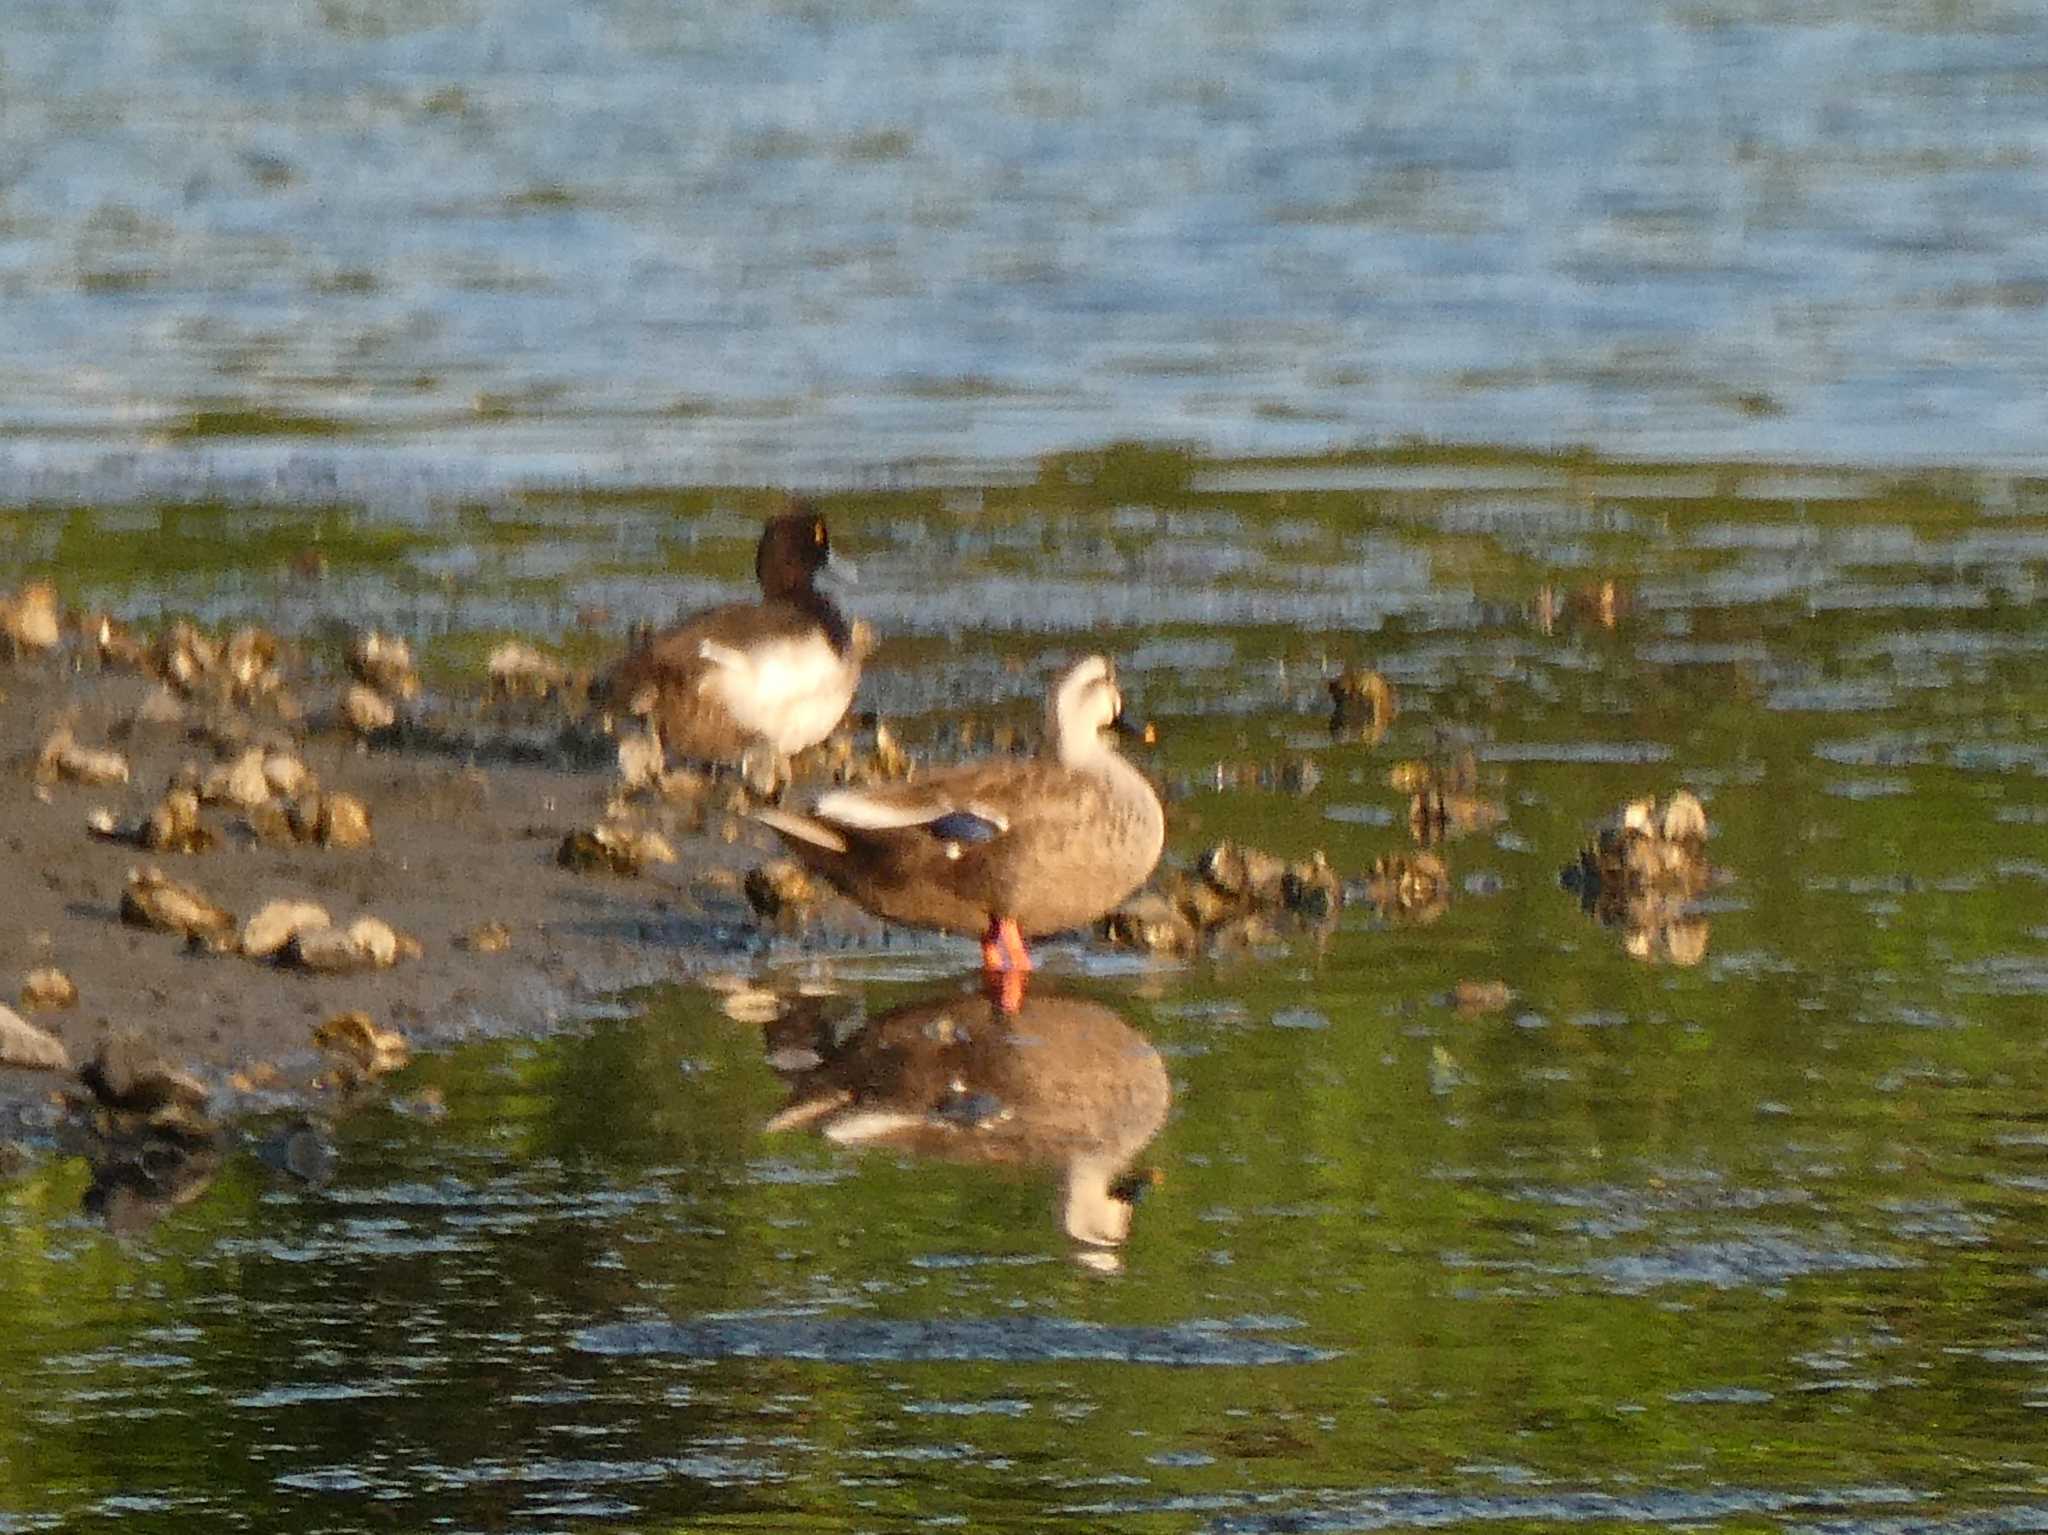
x,y
1599,604
1412,887
1362,704
1238,897
1475,998
1642,872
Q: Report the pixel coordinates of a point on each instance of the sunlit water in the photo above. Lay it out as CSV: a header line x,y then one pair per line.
x,y
1756,1240
478,240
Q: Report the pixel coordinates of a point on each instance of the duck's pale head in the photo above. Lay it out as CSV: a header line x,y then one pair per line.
x,y
1086,703
794,547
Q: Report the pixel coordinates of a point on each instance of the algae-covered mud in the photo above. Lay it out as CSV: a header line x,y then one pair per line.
x,y
1529,1159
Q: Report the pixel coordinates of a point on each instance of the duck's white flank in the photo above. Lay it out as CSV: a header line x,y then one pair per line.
x,y
789,692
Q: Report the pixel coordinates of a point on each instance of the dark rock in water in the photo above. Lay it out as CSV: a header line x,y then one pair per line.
x,y
303,1149
1244,873
126,1074
1362,702
1312,889
1438,815
141,1173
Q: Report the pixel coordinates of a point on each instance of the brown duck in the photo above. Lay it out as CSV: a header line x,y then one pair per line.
x,y
752,678
1004,849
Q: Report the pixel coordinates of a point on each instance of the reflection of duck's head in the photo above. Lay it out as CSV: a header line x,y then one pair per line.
x,y
1062,1082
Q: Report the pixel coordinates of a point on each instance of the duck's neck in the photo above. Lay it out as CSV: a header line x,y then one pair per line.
x,y
805,597
1081,748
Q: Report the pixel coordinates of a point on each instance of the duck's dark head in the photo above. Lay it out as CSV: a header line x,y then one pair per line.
x,y
794,548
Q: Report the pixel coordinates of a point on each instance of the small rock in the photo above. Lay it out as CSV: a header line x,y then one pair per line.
x,y
488,938
377,939
114,642
640,760
173,826
23,1044
328,951
1244,873
342,821
238,782
1416,886
184,656
610,848
286,774
384,662
250,661
781,887
30,619
162,708
152,899
47,989
368,943
517,669
366,710
1150,922
369,1049
752,1005
62,759
273,825
126,1074
273,928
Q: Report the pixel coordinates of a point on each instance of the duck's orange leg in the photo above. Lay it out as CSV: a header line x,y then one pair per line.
x,y
1002,947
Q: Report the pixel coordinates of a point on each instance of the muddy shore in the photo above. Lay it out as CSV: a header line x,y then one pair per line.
x,y
464,838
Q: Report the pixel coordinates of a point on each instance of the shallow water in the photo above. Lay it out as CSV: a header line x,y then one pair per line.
x,y
479,241
1754,1240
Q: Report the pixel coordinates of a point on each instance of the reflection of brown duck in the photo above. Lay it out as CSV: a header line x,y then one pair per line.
x,y
1061,1081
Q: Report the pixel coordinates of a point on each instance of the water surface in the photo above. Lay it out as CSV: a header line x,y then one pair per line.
x,y
1753,1240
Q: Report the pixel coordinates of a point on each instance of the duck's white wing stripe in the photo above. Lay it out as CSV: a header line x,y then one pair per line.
x,y
865,812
